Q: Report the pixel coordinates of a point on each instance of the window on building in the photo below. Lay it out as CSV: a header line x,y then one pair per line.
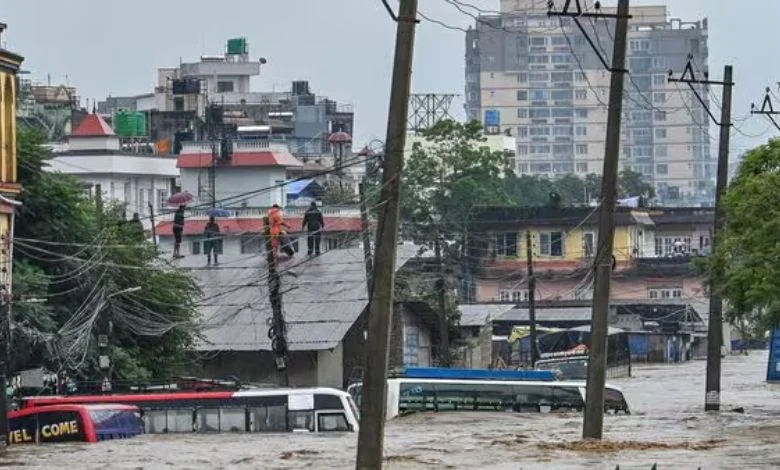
x,y
538,76
522,131
522,113
539,113
251,244
128,194
659,97
506,244
660,115
582,149
561,113
581,94
178,103
522,77
639,45
582,167
540,95
540,149
540,167
660,133
516,296
561,94
581,113
537,40
522,95
588,244
162,198
540,131
522,150
659,80
551,244
662,169
579,76
582,131
661,151
539,59
224,87
665,293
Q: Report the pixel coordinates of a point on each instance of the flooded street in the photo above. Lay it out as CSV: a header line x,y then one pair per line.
x,y
668,427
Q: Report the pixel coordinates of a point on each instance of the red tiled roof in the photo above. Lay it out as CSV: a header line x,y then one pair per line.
x,y
255,225
93,126
203,160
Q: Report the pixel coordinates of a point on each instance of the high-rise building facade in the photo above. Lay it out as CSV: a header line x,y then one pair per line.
x,y
538,78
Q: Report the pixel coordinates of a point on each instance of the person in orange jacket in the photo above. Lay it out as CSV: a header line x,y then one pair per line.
x,y
278,226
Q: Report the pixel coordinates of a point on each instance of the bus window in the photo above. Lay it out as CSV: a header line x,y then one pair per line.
x,y
232,420
416,396
567,397
454,397
155,422
60,426
208,420
271,418
332,422
180,420
327,402
301,420
532,397
23,430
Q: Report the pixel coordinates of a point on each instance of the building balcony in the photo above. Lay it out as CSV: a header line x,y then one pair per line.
x,y
261,145
346,211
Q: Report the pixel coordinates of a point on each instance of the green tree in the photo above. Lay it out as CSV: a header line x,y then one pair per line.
x,y
744,264
631,184
89,268
447,178
336,194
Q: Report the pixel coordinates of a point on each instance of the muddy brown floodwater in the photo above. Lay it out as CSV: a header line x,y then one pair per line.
x,y
668,427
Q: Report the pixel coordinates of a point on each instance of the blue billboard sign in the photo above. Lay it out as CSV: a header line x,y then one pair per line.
x,y
492,118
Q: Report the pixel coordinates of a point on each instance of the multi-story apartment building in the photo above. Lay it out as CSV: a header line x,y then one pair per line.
x,y
538,78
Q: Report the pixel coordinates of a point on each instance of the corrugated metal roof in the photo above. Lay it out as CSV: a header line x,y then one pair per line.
x,y
322,298
549,314
481,314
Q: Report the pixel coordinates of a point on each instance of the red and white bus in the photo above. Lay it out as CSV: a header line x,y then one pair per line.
x,y
251,410
74,423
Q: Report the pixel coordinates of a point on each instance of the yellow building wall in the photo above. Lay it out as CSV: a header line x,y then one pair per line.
x,y
7,128
573,246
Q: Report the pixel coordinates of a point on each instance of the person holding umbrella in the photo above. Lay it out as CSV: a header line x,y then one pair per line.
x,y
178,229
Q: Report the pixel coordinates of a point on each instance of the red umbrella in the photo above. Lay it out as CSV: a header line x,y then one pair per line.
x,y
181,198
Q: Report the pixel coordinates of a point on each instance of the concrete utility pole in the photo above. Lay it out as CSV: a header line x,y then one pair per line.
x,y
529,255
372,409
715,326
366,235
278,331
593,423
5,368
441,292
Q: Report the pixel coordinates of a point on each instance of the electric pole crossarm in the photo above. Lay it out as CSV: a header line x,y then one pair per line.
x,y
767,103
576,16
688,72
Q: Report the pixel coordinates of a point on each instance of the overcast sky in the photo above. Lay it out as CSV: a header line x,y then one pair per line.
x,y
342,47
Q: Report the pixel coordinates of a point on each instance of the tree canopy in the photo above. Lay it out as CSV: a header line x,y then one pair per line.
x,y
77,269
745,264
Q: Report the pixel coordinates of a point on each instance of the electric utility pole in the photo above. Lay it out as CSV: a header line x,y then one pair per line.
x,y
278,331
715,327
529,255
593,423
372,407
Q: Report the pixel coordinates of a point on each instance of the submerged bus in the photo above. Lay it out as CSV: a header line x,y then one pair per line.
x,y
251,410
418,394
74,423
